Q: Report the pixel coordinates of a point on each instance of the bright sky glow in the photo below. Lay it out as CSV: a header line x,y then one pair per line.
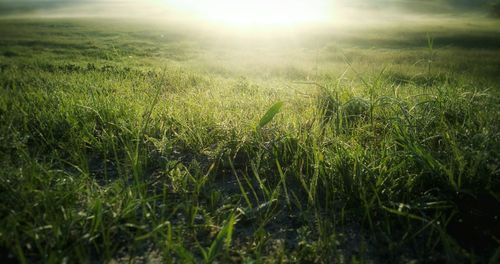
x,y
257,12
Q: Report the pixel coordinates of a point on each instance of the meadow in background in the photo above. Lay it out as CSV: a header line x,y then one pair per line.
x,y
131,140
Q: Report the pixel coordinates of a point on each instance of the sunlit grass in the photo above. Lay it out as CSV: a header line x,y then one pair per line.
x,y
121,142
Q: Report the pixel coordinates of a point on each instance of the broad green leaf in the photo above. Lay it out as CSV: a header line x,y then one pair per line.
x,y
269,115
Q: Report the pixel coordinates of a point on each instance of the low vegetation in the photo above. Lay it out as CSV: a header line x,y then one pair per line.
x,y
147,144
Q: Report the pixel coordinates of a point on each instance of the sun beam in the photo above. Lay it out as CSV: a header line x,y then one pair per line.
x,y
257,12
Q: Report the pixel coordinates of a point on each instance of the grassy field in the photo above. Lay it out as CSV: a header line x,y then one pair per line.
x,y
134,142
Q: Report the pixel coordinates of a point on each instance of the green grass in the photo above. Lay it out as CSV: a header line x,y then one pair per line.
x,y
131,142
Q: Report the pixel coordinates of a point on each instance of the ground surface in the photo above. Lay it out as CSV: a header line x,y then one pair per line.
x,y
121,141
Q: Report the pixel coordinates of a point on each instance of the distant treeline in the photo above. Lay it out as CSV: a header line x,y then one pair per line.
x,y
495,10
434,5
25,6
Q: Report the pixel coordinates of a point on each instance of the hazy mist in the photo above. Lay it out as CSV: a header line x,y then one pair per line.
x,y
186,10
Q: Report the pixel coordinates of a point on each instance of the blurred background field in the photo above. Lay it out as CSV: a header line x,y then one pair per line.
x,y
165,140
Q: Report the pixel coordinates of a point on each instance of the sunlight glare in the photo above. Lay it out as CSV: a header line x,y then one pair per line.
x,y
258,12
